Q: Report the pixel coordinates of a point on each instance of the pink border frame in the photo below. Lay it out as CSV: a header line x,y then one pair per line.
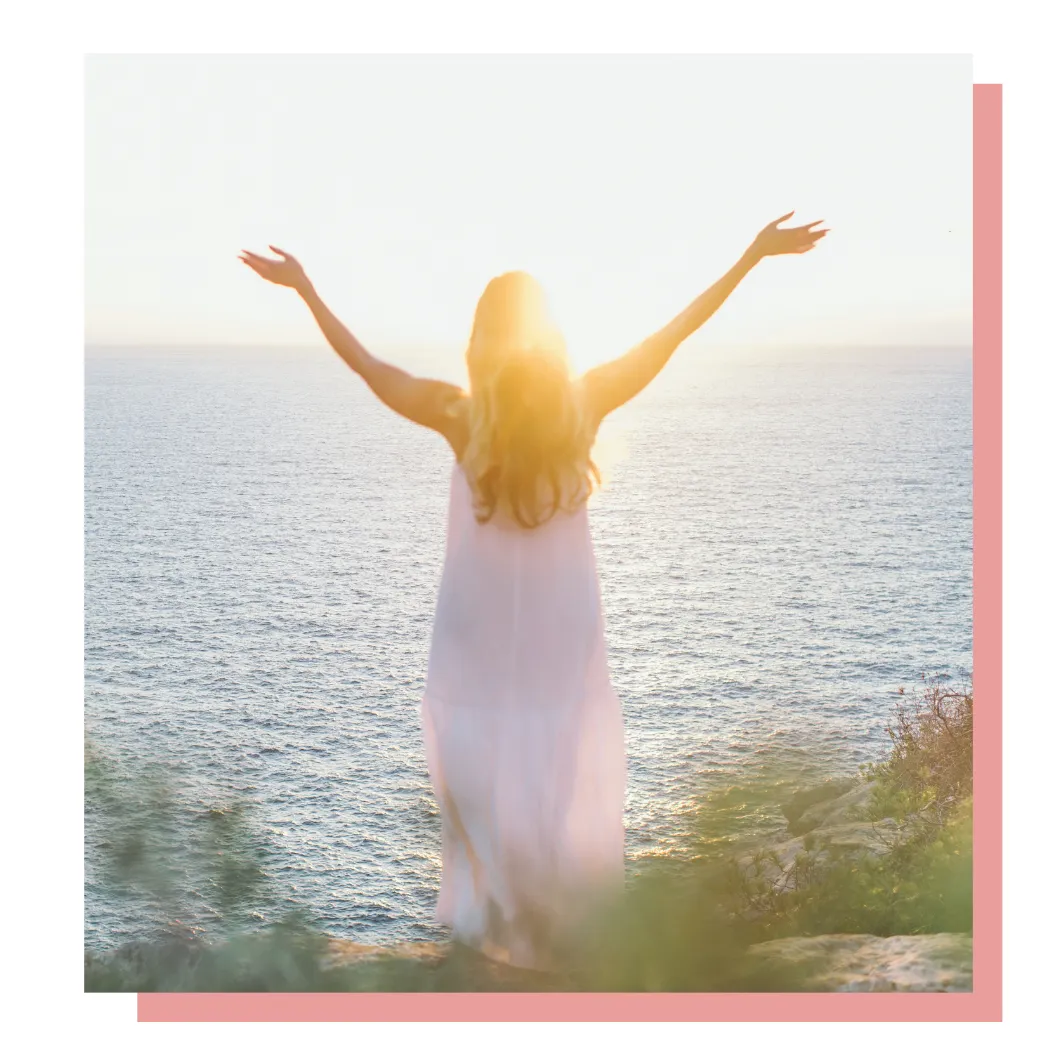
x,y
985,1002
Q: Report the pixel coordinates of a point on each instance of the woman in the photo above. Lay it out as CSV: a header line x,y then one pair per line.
x,y
523,730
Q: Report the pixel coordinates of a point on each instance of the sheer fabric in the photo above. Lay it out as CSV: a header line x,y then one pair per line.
x,y
523,733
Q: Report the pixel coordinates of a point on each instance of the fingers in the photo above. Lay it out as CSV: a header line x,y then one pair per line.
x,y
268,261
256,262
807,238
800,228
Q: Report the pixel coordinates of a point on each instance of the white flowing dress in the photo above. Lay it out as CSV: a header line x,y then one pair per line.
x,y
523,733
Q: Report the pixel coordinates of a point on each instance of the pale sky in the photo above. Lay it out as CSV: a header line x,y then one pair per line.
x,y
627,185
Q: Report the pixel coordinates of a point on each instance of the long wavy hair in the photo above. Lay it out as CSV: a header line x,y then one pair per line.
x,y
529,449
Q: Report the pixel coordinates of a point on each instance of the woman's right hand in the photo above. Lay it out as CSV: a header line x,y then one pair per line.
x,y
285,271
771,240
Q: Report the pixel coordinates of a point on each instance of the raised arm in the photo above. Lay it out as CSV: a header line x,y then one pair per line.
x,y
426,402
611,384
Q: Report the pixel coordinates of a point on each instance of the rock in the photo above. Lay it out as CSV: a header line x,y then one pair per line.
x,y
827,823
468,967
873,839
775,865
344,953
841,808
787,865
826,963
862,963
795,808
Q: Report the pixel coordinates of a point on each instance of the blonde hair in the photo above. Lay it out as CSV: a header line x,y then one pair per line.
x,y
528,454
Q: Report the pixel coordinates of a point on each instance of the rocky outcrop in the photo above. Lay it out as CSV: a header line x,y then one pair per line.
x,y
787,864
827,824
802,800
849,806
348,953
860,963
473,969
829,963
836,963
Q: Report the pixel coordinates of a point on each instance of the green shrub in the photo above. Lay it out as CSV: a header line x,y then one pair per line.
x,y
922,886
924,882
929,771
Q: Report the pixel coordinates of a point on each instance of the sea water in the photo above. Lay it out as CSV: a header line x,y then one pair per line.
x,y
783,539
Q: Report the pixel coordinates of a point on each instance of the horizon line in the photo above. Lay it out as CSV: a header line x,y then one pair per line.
x,y
436,346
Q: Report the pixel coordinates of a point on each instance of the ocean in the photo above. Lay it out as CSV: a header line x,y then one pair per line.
x,y
783,539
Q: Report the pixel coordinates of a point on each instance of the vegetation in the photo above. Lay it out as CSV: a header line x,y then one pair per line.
x,y
684,924
922,799
929,771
